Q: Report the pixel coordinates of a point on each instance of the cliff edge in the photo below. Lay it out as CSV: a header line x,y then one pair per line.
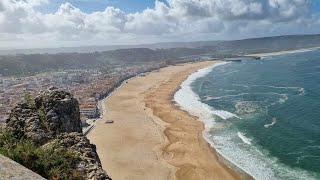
x,y
50,124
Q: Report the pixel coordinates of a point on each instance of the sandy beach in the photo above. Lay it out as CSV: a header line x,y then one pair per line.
x,y
151,138
285,52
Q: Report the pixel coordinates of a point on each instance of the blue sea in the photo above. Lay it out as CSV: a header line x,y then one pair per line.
x,y
261,115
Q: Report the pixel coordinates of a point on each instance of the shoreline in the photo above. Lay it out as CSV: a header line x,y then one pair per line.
x,y
235,171
285,52
102,101
141,143
201,111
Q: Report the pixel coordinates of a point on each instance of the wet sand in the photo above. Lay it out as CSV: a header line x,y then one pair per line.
x,y
151,137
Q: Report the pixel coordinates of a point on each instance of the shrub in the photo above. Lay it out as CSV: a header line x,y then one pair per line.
x,y
29,100
52,162
42,117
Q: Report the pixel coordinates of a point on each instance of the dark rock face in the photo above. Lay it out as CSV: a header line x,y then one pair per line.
x,y
52,113
62,111
25,122
90,163
54,117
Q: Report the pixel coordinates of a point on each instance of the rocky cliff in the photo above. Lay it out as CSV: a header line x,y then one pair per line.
x,y
53,119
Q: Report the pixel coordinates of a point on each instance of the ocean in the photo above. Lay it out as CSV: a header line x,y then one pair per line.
x,y
261,115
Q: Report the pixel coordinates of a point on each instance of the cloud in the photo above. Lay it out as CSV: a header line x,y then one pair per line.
x,y
172,21
68,20
152,21
2,8
242,9
112,20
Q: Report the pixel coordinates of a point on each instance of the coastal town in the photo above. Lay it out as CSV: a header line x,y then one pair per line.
x,y
87,85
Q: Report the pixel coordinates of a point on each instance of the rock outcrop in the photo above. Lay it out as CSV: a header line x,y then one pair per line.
x,y
54,118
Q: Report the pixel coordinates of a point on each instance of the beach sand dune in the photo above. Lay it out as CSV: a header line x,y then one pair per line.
x,y
151,138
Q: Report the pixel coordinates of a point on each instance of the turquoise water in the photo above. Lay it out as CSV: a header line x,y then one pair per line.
x,y
274,129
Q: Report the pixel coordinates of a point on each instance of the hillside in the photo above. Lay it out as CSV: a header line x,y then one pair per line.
x,y
20,64
267,44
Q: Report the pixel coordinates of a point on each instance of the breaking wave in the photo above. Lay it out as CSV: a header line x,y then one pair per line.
x,y
251,159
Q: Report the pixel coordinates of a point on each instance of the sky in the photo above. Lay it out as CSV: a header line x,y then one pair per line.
x,y
88,6
61,23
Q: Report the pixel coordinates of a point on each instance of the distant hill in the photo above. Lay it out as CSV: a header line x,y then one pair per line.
x,y
91,49
23,64
18,64
267,44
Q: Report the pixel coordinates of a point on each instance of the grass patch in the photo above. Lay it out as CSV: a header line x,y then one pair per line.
x,y
29,100
43,118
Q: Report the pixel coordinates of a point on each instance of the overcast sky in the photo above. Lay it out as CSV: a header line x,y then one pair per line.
x,y
60,23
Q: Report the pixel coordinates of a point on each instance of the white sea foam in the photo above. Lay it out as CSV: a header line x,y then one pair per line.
x,y
274,121
248,158
313,147
283,97
301,90
190,101
314,73
298,89
228,90
244,138
232,72
244,107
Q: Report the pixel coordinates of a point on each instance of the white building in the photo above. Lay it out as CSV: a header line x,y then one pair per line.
x,y
89,110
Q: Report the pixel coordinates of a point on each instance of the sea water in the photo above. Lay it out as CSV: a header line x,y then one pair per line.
x,y
261,115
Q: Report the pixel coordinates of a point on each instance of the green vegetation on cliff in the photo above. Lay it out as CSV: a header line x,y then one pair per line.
x,y
44,134
52,162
